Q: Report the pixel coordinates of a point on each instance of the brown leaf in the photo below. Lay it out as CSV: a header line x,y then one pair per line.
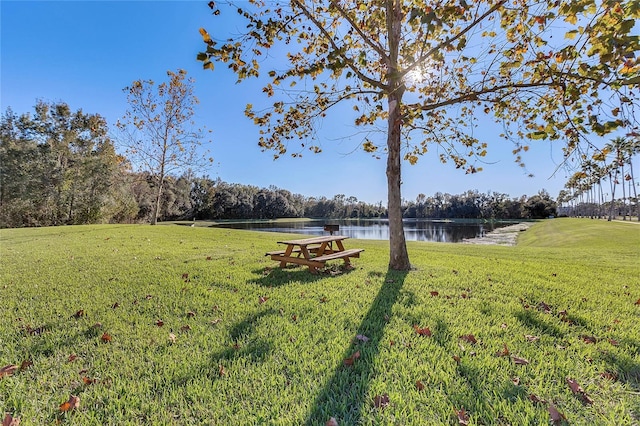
x,y
536,399
463,416
72,403
172,337
115,305
72,357
516,381
456,358
469,338
609,375
9,420
78,314
262,299
434,294
331,422
185,328
419,385
422,331
8,370
531,338
106,337
221,371
87,381
26,364
504,351
556,416
349,361
191,314
381,401
544,307
575,387
588,339
613,342
159,323
519,361
586,399
637,302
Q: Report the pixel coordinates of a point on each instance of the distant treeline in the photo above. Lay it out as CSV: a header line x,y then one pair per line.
x,y
58,167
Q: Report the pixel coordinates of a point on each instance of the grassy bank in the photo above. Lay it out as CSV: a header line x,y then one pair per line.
x,y
182,325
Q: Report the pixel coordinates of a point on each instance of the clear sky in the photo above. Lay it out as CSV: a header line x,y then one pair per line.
x,y
84,52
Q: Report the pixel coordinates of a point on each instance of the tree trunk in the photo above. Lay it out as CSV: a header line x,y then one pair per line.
x,y
398,255
613,193
156,208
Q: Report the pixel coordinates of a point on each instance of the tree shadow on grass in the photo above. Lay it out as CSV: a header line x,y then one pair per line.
x,y
533,319
343,395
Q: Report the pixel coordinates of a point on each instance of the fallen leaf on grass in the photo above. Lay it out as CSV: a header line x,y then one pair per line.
x,y
106,337
516,381
419,385
115,305
504,351
456,358
221,371
531,338
78,314
609,375
434,294
72,357
191,314
349,361
575,387
637,302
544,307
172,337
262,299
26,364
422,331
72,403
159,323
185,328
9,420
588,339
463,416
87,381
381,401
8,370
556,416
519,361
469,338
331,422
613,342
536,399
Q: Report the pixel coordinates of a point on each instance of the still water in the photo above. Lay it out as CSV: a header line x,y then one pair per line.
x,y
444,231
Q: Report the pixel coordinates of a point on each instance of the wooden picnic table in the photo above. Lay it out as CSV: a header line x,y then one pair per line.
x,y
314,252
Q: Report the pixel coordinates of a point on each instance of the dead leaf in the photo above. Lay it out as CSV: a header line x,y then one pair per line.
x,y
434,294
221,371
536,399
575,387
26,364
588,339
185,328
191,314
87,381
349,361
215,321
544,307
637,302
381,401
613,342
159,323
9,420
331,422
72,403
106,337
609,375
422,331
504,351
419,385
8,370
72,357
531,338
503,325
516,381
456,358
172,337
78,314
262,299
463,416
519,361
556,416
469,338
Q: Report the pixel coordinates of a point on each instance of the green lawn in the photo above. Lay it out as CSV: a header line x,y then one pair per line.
x,y
194,325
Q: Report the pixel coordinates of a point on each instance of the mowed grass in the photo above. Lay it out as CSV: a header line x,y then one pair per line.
x,y
190,325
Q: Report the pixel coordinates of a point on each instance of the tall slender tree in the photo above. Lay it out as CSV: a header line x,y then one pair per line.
x,y
427,70
158,131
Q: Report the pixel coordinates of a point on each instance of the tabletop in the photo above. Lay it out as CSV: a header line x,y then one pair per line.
x,y
314,240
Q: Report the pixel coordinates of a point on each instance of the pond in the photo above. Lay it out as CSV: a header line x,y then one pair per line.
x,y
444,231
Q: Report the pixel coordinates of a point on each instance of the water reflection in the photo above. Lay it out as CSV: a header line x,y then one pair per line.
x,y
378,229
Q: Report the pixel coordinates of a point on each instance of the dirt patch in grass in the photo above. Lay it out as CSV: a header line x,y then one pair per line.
x,y
506,236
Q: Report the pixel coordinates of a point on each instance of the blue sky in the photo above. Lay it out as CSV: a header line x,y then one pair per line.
x,y
85,52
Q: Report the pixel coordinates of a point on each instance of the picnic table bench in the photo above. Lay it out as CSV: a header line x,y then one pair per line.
x,y
314,252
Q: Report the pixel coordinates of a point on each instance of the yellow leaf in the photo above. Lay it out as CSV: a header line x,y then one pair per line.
x,y
572,19
205,35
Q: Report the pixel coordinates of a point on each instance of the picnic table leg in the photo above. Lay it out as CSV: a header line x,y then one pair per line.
x,y
287,253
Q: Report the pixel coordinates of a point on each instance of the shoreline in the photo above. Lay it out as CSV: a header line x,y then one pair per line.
x,y
506,236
